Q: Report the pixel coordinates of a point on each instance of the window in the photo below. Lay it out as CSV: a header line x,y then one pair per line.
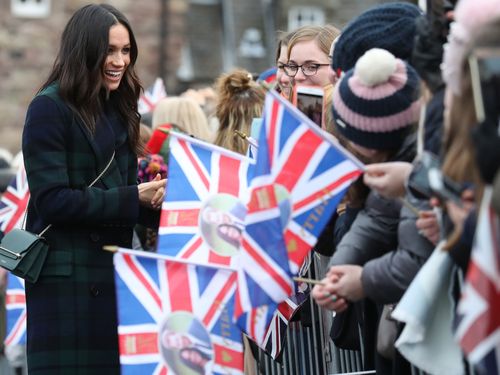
x,y
185,71
251,44
302,15
30,8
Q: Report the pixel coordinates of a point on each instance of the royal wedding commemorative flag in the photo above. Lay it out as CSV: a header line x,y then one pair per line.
x,y
14,201
478,312
301,174
16,311
175,317
203,214
148,100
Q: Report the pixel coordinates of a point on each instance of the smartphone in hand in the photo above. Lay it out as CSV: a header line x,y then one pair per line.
x,y
309,100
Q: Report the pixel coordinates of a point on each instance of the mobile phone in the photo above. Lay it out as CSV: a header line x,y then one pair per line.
x,y
309,100
484,64
426,180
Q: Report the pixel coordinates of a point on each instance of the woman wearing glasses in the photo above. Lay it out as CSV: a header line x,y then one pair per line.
x,y
308,55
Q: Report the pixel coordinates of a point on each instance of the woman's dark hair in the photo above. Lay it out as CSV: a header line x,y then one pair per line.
x,y
78,69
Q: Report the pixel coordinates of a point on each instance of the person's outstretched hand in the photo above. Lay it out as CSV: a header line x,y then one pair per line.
x,y
388,179
428,225
324,298
151,194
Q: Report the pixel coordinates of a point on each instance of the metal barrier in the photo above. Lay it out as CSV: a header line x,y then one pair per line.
x,y
309,350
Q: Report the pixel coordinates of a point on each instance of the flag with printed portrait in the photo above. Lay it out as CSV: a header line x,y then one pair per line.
x,y
203,214
175,317
301,174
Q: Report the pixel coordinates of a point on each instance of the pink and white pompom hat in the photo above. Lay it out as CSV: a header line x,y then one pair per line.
x,y
376,103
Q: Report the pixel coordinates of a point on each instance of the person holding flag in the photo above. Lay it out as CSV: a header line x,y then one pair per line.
x,y
80,147
376,106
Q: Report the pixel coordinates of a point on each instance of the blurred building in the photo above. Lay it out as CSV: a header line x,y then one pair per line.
x,y
187,42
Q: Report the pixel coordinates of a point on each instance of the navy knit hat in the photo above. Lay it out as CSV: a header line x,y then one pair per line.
x,y
390,26
376,103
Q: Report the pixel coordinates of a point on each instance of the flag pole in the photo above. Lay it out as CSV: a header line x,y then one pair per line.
x,y
308,281
410,206
246,138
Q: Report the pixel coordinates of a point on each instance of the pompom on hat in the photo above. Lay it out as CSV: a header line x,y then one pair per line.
x,y
390,26
470,17
376,103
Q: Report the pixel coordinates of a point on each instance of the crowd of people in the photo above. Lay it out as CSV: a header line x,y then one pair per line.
x,y
398,91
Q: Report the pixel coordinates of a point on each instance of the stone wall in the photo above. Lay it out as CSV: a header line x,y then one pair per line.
x,y
28,46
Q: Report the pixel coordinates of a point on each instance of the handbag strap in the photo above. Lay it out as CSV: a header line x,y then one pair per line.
x,y
90,185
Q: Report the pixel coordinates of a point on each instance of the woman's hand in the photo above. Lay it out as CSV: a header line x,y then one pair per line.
x,y
151,194
324,298
458,213
341,284
388,179
428,226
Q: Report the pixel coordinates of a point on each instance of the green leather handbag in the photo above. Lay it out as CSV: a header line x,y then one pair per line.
x,y
23,253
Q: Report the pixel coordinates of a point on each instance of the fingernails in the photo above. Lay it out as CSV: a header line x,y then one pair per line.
x,y
334,298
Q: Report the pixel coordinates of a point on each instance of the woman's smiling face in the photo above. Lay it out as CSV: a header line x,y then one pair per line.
x,y
309,52
118,57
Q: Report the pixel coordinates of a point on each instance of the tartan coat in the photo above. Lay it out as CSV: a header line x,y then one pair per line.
x,y
71,324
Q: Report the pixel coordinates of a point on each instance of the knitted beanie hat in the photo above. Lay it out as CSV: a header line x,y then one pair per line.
x,y
375,104
470,18
390,26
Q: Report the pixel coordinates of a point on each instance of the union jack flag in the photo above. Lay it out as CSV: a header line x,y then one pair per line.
x,y
276,332
267,325
478,312
175,317
16,311
14,201
301,174
151,97
204,209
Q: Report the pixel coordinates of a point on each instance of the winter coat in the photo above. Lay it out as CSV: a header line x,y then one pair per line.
x,y
385,241
71,309
386,278
374,231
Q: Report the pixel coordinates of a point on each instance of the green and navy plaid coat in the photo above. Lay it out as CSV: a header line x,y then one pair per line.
x,y
72,308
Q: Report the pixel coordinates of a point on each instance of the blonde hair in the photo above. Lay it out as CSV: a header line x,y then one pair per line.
x,y
323,35
329,124
184,113
282,41
239,100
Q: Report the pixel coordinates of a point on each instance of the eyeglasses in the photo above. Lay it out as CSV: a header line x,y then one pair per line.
x,y
309,69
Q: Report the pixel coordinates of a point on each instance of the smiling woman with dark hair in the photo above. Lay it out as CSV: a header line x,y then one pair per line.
x,y
83,127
